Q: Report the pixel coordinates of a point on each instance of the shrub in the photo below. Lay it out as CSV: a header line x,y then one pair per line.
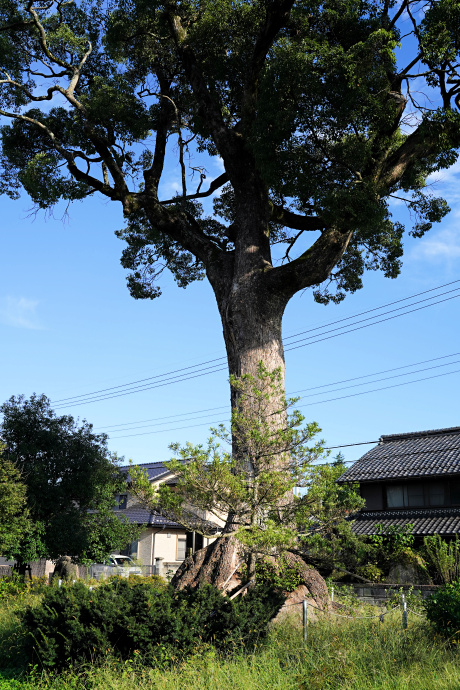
x,y
443,610
371,572
125,619
444,557
282,576
16,585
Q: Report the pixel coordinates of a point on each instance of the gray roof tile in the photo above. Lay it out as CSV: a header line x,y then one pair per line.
x,y
140,516
418,454
154,470
444,521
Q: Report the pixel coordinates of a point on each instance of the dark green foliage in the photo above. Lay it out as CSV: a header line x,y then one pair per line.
x,y
443,610
123,618
390,540
327,540
71,482
443,557
14,522
313,90
284,576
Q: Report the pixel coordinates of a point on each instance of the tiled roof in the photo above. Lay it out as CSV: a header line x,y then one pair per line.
x,y
154,470
445,521
140,516
418,454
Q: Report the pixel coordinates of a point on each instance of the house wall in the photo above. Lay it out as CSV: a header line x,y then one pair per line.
x,y
158,543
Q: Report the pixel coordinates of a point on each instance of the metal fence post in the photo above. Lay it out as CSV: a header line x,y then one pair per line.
x,y
332,594
59,583
305,619
404,614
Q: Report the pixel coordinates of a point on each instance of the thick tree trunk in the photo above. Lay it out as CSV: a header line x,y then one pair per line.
x,y
251,320
214,565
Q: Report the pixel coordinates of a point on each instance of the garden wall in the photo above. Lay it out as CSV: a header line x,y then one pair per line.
x,y
381,593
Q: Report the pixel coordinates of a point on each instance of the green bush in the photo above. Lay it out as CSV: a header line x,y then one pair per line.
x,y
444,557
128,619
15,585
443,610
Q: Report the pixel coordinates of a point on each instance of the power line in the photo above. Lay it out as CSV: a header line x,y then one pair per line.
x,y
377,373
104,394
396,376
348,445
374,323
173,418
383,306
395,385
140,389
318,402
150,378
155,419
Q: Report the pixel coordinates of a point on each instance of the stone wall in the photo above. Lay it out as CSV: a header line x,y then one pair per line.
x,y
379,594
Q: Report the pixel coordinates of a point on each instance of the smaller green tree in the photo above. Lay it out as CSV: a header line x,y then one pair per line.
x,y
323,514
15,525
71,483
249,491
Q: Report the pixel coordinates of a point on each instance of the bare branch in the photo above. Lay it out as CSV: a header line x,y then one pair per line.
x,y
215,184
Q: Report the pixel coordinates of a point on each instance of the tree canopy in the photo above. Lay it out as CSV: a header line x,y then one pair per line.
x,y
317,122
71,483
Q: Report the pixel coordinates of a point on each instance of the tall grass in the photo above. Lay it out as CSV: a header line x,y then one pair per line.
x,y
339,653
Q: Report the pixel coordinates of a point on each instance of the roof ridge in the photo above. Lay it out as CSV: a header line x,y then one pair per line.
x,y
159,463
385,438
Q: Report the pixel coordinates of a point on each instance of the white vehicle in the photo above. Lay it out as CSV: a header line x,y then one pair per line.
x,y
116,565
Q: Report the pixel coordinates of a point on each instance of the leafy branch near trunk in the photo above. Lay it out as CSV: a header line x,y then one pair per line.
x,y
247,493
323,514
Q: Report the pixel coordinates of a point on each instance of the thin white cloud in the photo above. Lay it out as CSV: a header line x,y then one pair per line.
x,y
19,312
443,246
219,164
171,188
448,178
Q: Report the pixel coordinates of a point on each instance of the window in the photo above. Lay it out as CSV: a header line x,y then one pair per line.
x,y
181,548
395,496
415,495
122,501
420,494
437,494
454,486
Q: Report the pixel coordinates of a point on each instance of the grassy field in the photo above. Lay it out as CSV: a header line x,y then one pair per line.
x,y
339,653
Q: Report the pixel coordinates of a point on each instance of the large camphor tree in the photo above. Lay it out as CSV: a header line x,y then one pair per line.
x,y
316,123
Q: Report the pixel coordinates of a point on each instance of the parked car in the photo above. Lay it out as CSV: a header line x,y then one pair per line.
x,y
116,565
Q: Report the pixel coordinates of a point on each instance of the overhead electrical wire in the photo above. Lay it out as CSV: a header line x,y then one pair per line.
x,y
317,402
176,376
383,306
159,421
374,323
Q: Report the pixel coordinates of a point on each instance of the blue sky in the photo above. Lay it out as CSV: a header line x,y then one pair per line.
x,y
68,327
